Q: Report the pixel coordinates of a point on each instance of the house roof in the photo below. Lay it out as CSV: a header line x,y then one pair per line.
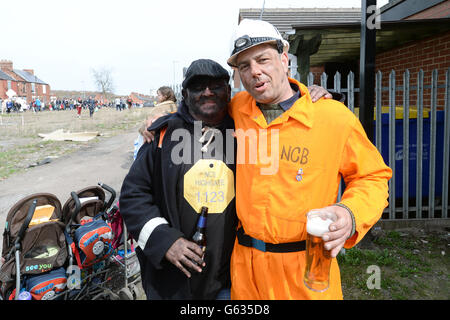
x,y
28,77
402,9
285,18
4,76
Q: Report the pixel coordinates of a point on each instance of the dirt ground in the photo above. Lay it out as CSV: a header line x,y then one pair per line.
x,y
107,161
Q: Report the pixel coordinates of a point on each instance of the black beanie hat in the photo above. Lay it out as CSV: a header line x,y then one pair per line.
x,y
207,68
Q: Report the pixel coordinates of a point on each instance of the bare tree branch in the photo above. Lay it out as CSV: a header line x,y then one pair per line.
x,y
103,80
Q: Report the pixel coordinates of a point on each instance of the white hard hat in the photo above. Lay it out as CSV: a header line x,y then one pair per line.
x,y
250,33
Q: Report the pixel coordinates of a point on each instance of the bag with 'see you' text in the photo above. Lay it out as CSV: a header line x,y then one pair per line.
x,y
45,286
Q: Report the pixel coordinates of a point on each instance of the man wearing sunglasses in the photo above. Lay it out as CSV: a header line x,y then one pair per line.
x,y
189,165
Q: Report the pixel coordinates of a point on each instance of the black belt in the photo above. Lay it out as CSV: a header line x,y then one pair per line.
x,y
247,241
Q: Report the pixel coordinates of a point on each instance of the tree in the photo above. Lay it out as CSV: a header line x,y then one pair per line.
x,y
103,80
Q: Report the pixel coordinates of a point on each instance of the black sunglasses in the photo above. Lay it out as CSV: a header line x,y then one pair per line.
x,y
215,85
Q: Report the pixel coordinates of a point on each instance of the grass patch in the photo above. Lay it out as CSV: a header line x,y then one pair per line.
x,y
411,267
20,158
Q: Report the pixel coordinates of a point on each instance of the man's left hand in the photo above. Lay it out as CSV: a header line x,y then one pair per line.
x,y
339,230
317,92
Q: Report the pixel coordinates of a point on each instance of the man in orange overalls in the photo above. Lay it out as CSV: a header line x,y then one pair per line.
x,y
291,156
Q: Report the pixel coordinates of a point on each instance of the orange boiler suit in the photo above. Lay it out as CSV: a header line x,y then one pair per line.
x,y
313,145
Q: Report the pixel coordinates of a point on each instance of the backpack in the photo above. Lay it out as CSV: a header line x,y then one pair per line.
x,y
92,242
88,234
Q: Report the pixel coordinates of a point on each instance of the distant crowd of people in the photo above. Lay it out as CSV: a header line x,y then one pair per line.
x,y
36,105
122,104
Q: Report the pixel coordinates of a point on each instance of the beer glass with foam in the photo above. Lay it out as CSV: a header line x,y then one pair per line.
x,y
318,260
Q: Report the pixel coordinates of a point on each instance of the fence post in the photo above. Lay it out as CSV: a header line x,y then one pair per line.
x,y
337,82
419,144
446,155
392,114
310,79
432,169
378,121
351,91
406,120
323,80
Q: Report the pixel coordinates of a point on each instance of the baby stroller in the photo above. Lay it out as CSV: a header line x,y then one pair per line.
x,y
92,247
89,237
34,250
68,253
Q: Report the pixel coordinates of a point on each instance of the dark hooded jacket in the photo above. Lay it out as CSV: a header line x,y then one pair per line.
x,y
156,212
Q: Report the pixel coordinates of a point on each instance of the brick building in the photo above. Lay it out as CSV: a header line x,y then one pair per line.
x,y
429,53
413,35
6,83
23,82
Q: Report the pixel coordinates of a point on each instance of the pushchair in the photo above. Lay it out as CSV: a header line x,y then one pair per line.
x,y
34,250
67,253
93,244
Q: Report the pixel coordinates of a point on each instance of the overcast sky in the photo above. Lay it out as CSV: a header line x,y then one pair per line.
x,y
145,43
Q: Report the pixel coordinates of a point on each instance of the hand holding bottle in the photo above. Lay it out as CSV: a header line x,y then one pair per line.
x,y
185,255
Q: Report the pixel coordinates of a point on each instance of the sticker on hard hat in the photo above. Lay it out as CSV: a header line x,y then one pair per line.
x,y
242,41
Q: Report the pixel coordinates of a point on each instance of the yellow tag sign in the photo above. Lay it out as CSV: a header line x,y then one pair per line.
x,y
209,183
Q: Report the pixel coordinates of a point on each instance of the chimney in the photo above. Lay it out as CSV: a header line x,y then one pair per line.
x,y
31,71
6,65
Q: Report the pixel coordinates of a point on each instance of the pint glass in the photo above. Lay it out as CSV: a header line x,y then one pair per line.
x,y
318,260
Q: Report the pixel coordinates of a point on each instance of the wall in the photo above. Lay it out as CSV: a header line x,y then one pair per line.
x,y
427,54
3,89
